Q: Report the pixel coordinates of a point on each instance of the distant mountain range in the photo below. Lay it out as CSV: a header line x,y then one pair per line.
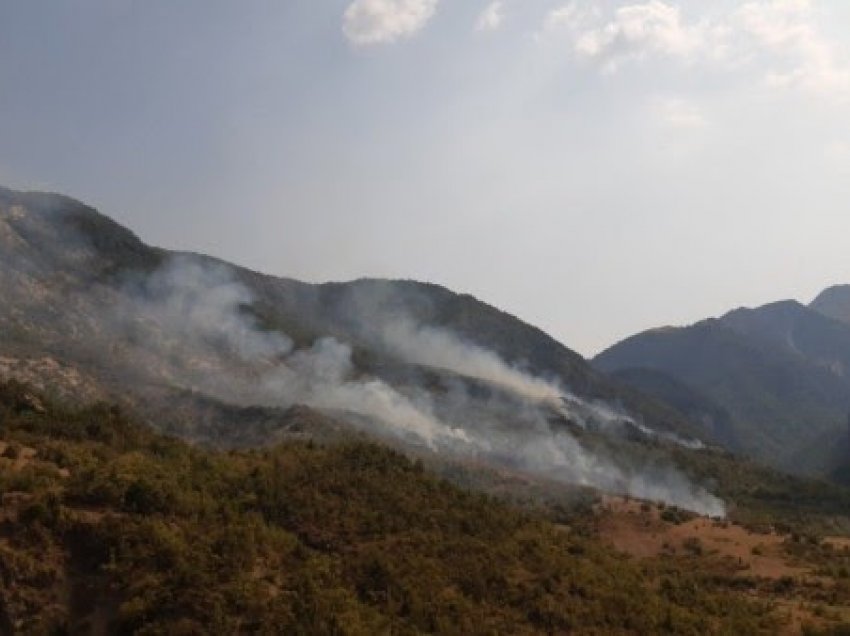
x,y
772,382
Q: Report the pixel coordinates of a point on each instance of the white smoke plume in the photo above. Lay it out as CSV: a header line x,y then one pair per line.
x,y
434,347
439,348
194,319
323,376
196,307
194,315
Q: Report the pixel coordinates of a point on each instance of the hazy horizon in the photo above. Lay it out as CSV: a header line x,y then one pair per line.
x,y
596,169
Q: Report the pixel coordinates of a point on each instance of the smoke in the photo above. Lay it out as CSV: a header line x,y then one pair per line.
x,y
192,321
438,348
536,447
561,456
195,316
434,347
323,376
197,307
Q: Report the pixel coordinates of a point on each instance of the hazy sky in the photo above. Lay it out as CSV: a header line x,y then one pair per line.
x,y
596,168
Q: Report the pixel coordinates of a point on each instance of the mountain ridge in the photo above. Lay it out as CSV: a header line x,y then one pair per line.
x,y
834,301
779,370
411,362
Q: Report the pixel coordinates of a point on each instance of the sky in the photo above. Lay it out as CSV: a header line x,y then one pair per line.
x,y
594,168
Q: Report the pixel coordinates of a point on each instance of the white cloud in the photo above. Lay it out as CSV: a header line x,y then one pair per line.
x,y
633,32
800,55
369,22
491,17
780,40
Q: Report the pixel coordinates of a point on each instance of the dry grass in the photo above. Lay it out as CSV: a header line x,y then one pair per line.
x,y
792,585
637,529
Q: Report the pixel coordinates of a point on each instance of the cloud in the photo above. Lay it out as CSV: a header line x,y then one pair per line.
x,y
370,22
633,32
801,56
779,40
491,17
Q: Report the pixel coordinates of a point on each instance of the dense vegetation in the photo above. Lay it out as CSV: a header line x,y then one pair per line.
x,y
107,525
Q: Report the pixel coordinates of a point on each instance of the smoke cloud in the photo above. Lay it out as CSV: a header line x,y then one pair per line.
x,y
438,348
434,347
194,321
194,316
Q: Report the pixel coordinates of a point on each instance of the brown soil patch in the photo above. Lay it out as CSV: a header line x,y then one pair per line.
x,y
838,543
637,529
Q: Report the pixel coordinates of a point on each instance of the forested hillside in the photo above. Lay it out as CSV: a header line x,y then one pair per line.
x,y
107,526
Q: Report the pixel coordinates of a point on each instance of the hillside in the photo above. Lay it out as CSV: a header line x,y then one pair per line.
x,y
778,372
73,257
204,449
796,329
715,420
108,527
219,354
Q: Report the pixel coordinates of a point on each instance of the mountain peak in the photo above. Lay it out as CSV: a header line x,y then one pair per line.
x,y
780,309
834,302
62,231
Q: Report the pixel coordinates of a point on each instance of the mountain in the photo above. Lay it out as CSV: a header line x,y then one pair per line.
x,y
778,373
697,407
199,448
797,329
218,354
834,302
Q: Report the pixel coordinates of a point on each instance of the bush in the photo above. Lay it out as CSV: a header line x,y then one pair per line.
x,y
693,545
